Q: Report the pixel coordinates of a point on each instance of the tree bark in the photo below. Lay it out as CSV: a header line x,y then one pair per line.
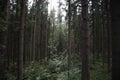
x,y
5,9
115,28
69,36
85,50
93,32
6,32
21,43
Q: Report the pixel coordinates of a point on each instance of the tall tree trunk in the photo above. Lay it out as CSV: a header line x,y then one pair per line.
x,y
93,32
3,55
34,38
6,32
109,35
69,36
85,50
34,32
104,30
115,27
21,43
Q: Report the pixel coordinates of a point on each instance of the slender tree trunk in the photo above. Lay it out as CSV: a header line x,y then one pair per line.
x,y
85,50
93,32
69,36
6,32
103,32
4,54
34,38
34,32
109,35
31,44
21,43
46,43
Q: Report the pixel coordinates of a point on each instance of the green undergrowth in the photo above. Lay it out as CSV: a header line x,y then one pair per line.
x,y
98,72
57,69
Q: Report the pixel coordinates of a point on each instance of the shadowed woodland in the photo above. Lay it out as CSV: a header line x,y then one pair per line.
x,y
36,44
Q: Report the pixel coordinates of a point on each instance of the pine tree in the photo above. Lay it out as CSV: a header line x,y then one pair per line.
x,y
21,43
85,49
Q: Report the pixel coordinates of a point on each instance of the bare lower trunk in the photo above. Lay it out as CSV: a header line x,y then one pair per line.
x,y
21,43
4,54
85,50
69,35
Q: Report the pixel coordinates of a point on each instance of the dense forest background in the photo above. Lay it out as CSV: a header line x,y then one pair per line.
x,y
36,44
